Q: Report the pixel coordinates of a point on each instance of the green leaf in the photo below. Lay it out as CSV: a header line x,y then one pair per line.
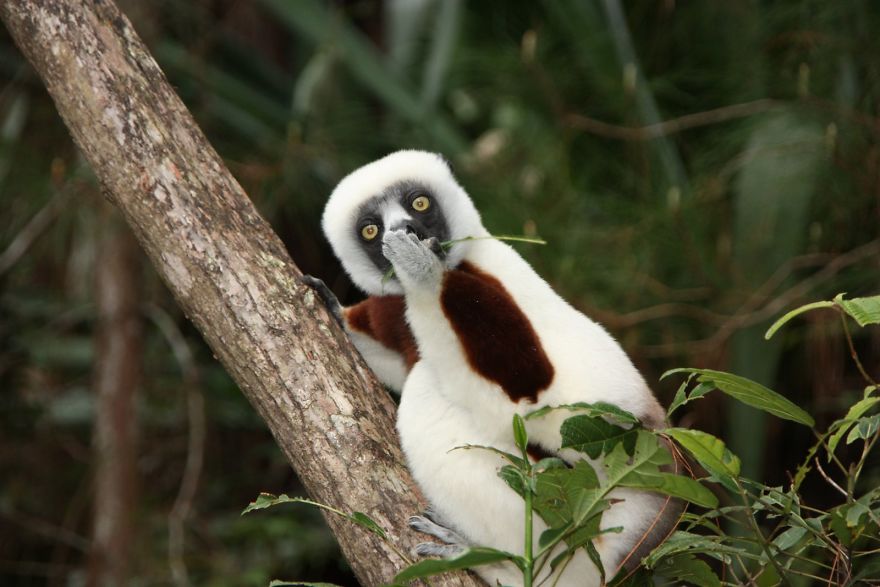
x,y
687,568
751,393
597,560
796,312
514,478
856,411
681,486
473,557
550,535
520,436
680,397
681,541
790,537
710,452
561,495
854,512
643,472
267,500
598,409
639,577
841,530
864,429
365,521
594,436
863,310
571,498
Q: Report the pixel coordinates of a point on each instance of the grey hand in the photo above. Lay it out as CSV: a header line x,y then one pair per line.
x,y
416,262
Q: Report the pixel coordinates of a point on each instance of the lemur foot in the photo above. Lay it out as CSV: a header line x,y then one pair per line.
x,y
438,550
453,545
326,295
414,260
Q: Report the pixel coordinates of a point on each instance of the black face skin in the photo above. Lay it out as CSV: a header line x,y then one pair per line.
x,y
427,224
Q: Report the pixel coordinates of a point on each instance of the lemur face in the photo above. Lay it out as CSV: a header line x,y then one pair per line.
x,y
409,206
409,190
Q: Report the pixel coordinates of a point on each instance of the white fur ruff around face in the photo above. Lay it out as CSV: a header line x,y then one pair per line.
x,y
371,181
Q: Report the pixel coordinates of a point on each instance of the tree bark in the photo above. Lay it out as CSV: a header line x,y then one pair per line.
x,y
118,345
227,270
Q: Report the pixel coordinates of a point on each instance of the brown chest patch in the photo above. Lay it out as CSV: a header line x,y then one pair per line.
x,y
384,319
498,339
538,452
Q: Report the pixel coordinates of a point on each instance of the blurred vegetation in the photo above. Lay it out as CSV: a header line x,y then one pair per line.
x,y
696,168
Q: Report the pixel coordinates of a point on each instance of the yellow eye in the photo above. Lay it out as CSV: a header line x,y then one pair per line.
x,y
421,203
369,232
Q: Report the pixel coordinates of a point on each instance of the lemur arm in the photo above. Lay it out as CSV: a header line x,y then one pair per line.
x,y
377,326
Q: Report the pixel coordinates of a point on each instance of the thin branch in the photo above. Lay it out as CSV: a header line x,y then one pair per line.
x,y
195,403
853,353
829,479
751,312
28,235
58,534
672,126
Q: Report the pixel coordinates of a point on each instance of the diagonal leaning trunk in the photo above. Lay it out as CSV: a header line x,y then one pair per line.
x,y
227,270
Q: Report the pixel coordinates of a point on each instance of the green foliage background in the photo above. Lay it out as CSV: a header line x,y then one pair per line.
x,y
685,238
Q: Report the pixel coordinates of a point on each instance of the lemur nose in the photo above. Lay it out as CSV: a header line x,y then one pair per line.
x,y
409,227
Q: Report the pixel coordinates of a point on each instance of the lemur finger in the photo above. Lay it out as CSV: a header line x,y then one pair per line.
x,y
431,528
413,261
439,550
326,295
436,247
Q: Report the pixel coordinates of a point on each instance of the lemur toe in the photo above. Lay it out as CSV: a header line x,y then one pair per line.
x,y
426,525
326,295
439,550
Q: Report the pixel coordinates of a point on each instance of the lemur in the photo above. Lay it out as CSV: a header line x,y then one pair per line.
x,y
471,335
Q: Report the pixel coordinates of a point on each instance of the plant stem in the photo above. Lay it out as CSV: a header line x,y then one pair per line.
x,y
760,535
527,553
852,351
857,468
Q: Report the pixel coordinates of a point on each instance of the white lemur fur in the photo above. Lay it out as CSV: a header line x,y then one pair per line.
x,y
466,308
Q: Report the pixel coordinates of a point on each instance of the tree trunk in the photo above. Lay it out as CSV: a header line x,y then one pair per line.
x,y
227,270
117,377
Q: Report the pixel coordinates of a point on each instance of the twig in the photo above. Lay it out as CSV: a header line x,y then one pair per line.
x,y
672,126
668,310
195,404
829,479
678,309
759,535
49,530
28,235
852,351
749,315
